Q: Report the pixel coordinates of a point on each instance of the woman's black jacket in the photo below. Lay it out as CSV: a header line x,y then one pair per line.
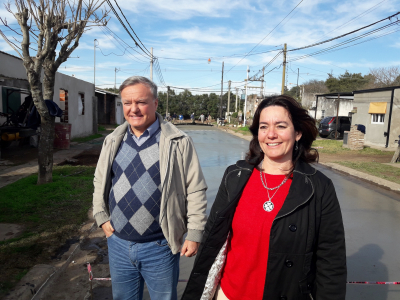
x,y
307,255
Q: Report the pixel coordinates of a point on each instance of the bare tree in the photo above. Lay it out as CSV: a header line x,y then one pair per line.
x,y
48,27
384,77
315,86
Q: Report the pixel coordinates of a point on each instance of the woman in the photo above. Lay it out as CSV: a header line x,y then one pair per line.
x,y
275,230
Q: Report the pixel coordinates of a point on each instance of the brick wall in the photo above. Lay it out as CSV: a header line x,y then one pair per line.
x,y
355,139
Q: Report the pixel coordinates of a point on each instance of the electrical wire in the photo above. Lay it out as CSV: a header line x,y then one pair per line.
x,y
348,33
353,19
265,36
330,49
132,28
126,29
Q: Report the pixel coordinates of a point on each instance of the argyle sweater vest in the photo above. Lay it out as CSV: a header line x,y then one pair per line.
x,y
135,194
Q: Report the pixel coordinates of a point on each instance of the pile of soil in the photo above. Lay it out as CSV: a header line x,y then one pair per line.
x,y
86,158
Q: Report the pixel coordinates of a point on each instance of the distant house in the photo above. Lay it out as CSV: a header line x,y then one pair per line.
x,y
379,111
74,96
326,105
109,107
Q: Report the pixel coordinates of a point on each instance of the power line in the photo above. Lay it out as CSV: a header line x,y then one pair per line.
x,y
220,57
355,18
126,29
266,36
131,28
351,32
330,49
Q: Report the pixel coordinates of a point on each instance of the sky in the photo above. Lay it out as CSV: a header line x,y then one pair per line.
x,y
191,39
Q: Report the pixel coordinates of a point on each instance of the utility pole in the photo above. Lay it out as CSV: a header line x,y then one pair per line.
x,y
262,84
115,79
245,97
337,116
229,98
222,86
151,64
94,63
298,91
166,113
284,70
236,103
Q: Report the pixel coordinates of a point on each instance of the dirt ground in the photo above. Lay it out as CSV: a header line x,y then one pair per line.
x,y
354,157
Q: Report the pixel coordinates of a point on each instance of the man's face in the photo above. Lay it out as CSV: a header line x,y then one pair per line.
x,y
139,107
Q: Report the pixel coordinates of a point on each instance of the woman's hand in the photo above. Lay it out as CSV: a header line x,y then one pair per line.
x,y
107,228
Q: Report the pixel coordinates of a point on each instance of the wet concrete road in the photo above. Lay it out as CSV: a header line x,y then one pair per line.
x,y
371,217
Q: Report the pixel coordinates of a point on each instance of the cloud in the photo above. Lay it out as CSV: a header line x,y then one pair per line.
x,y
185,9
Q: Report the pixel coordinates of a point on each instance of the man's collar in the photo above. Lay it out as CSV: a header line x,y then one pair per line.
x,y
151,129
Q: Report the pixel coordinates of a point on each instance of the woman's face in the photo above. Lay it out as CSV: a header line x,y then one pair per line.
x,y
276,134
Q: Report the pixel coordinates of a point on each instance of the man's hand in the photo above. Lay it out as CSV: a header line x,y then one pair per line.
x,y
107,228
189,248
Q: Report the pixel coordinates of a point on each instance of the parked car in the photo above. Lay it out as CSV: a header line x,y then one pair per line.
x,y
327,126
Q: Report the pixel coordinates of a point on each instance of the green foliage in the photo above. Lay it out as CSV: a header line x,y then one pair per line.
x,y
336,147
48,205
112,90
235,115
101,128
374,168
49,213
346,82
294,92
186,103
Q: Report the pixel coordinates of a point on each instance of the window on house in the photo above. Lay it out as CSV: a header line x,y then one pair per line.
x,y
377,118
81,104
64,105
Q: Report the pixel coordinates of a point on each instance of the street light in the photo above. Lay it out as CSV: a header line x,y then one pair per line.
x,y
94,63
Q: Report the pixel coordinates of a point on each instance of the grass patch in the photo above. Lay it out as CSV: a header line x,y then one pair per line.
x,y
49,213
336,147
373,168
242,130
101,128
87,138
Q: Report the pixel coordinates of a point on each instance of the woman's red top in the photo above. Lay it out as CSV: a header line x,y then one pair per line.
x,y
244,273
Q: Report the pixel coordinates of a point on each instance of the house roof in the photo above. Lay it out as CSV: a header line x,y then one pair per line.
x,y
343,94
389,88
101,91
10,55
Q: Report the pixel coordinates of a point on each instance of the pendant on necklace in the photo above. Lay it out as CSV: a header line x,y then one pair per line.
x,y
268,206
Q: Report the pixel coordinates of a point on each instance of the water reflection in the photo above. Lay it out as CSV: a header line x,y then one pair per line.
x,y
216,150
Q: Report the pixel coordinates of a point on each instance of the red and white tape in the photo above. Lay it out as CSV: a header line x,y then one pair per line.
x,y
373,282
89,268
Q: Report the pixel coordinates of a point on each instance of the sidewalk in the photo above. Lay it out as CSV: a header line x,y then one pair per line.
x,y
379,181
10,174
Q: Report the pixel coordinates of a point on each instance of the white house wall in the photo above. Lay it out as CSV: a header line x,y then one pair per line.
x,y
375,132
330,107
82,125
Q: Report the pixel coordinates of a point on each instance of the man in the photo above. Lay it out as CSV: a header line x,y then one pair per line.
x,y
192,117
202,118
149,191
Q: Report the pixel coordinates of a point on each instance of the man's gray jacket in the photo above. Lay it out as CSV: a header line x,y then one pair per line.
x,y
183,200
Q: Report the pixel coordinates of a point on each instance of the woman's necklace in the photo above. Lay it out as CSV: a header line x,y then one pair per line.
x,y
268,206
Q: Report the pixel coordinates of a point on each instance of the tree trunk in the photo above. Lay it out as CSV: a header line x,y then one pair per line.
x,y
45,157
